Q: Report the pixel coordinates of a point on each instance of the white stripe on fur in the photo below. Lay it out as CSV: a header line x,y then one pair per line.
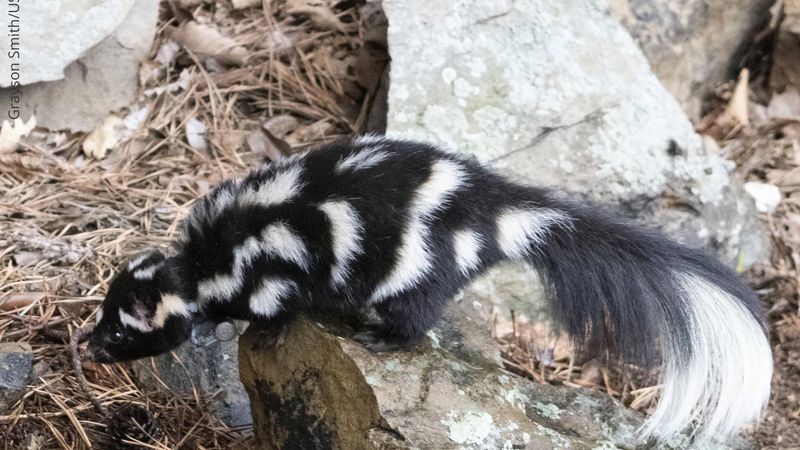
x,y
369,139
286,161
276,239
726,382
520,229
170,305
279,240
225,198
282,187
362,159
467,244
98,316
266,300
346,229
223,287
413,255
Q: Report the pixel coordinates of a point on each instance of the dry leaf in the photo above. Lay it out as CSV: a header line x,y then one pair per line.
x,y
167,51
231,139
104,137
790,178
279,42
12,132
315,131
736,112
131,149
26,258
136,118
189,3
23,300
320,12
207,41
196,134
242,4
183,82
281,125
261,143
785,105
27,160
149,72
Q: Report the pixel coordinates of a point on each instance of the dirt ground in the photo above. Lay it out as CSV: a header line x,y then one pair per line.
x,y
294,74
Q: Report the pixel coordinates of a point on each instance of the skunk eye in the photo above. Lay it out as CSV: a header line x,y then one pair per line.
x,y
115,337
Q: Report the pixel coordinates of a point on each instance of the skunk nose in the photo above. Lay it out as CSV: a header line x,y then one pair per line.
x,y
99,355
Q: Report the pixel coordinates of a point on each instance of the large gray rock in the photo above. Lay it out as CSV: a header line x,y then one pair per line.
x,y
206,364
102,79
557,93
313,387
53,33
692,45
16,369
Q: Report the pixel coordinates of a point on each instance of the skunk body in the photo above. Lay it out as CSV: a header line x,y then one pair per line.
x,y
401,227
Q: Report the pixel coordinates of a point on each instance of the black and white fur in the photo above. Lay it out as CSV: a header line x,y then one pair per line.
x,y
401,227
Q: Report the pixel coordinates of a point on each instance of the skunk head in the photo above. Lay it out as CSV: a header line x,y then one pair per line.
x,y
145,312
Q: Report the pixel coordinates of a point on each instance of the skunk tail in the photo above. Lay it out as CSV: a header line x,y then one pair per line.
x,y
621,288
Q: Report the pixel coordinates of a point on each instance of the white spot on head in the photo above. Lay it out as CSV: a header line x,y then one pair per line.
x,y
98,316
724,382
520,229
467,244
281,187
413,255
133,322
146,273
346,231
266,300
362,159
136,261
275,240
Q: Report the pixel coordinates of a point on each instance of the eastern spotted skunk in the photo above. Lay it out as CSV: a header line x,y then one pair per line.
x,y
401,226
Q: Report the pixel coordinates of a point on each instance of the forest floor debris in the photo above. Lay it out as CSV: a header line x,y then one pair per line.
x,y
228,85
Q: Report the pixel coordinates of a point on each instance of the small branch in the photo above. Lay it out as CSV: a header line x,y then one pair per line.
x,y
77,337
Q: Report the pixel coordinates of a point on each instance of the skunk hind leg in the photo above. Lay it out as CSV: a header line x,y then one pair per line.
x,y
404,319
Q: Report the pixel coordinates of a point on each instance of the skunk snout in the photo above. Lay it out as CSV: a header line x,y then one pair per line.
x,y
97,353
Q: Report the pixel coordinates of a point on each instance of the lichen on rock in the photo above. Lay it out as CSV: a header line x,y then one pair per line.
x,y
312,386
